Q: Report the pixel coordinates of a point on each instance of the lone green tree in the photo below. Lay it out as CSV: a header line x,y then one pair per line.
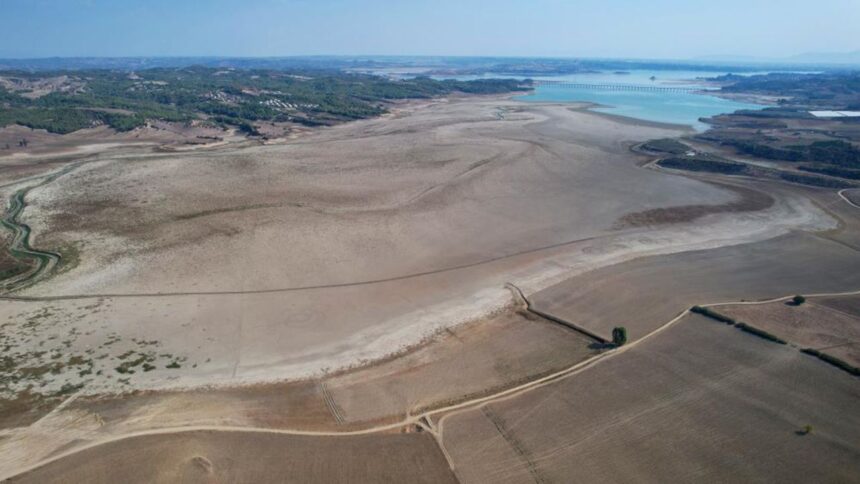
x,y
798,300
619,336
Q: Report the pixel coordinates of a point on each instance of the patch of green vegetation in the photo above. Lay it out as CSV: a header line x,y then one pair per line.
x,y
68,388
70,257
830,90
815,181
832,171
666,145
234,97
37,372
836,152
128,366
78,360
619,336
703,164
15,268
760,333
766,152
710,313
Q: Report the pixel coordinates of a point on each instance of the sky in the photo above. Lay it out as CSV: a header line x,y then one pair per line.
x,y
654,29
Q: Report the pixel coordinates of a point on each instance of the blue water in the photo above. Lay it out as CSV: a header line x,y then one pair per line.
x,y
666,107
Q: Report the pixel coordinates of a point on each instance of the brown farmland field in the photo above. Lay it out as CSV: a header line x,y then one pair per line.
x,y
644,293
701,402
828,324
470,361
205,457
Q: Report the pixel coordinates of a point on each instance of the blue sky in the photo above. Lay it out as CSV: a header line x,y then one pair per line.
x,y
579,28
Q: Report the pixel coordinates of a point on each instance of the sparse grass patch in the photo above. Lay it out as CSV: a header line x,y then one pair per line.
x,y
128,366
70,257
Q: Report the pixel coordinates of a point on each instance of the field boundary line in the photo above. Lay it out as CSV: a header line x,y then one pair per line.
x,y
779,299
555,319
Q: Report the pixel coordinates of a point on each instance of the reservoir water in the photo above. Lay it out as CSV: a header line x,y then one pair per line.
x,y
666,107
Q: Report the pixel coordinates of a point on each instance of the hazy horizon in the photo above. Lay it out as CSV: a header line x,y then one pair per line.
x,y
675,29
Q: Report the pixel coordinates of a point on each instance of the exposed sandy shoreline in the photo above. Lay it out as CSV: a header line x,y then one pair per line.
x,y
357,241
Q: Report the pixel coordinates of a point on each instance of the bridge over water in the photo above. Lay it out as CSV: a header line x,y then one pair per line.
x,y
616,87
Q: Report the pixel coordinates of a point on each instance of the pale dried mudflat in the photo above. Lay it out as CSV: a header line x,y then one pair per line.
x,y
263,263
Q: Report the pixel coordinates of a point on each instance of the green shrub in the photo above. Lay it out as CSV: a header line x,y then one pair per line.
x,y
700,164
760,333
707,312
619,336
666,145
798,300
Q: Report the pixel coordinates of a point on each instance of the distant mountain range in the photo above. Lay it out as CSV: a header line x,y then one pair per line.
x,y
522,66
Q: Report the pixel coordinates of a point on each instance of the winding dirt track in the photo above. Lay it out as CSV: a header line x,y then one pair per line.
x,y
841,194
424,419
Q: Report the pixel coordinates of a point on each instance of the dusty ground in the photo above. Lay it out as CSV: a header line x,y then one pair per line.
x,y
853,195
207,457
239,266
283,261
701,402
472,360
41,143
830,325
644,293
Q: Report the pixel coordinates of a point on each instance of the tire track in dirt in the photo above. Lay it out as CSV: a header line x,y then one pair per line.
x,y
330,403
515,444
